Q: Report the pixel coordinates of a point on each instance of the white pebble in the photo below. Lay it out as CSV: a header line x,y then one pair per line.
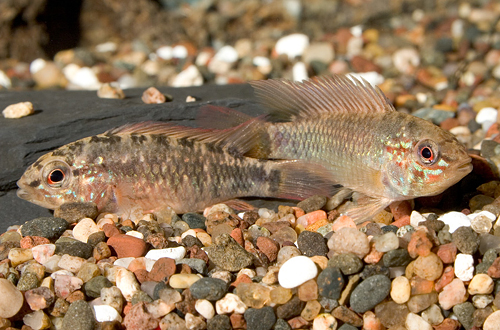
x,y
386,242
354,47
81,77
486,117
135,233
205,308
203,58
18,110
37,65
179,51
464,266
127,283
457,28
190,98
227,54
455,220
165,52
482,300
416,322
292,45
123,262
176,253
106,313
416,218
229,304
296,271
84,228
37,320
5,80
190,76
263,64
106,47
299,71
406,59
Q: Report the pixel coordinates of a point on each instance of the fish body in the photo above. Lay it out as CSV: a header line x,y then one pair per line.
x,y
146,167
351,129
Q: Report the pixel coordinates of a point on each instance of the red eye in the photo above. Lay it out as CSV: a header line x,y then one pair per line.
x,y
55,177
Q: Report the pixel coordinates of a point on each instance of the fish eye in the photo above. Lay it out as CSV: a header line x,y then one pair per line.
x,y
428,152
56,174
55,177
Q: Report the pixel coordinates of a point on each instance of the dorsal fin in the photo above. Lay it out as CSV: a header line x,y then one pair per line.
x,y
239,138
317,96
211,116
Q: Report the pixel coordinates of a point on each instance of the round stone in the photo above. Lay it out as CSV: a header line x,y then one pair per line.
x,y
369,293
330,283
79,316
73,247
183,281
260,319
194,220
466,240
492,321
400,289
312,244
209,288
312,203
481,284
47,227
396,258
349,263
12,299
296,271
349,240
429,267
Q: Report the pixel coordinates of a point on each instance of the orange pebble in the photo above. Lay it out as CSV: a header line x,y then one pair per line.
x,y
311,217
343,221
446,278
297,211
421,286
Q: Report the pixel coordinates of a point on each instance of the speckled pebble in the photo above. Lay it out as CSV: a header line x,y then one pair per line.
x,y
466,240
47,227
312,244
209,288
349,240
79,316
369,293
330,283
260,319
349,263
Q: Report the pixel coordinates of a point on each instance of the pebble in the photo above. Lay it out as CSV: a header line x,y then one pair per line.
x,y
176,253
349,240
47,227
18,110
153,96
324,321
312,244
205,308
260,319
464,312
105,313
37,320
74,212
292,45
455,220
331,283
481,284
12,299
295,271
386,242
400,290
416,322
492,321
464,267
231,303
454,293
228,254
369,293
79,316
429,267
190,76
466,240
207,288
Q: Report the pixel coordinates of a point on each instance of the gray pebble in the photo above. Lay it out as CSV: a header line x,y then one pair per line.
x,y
349,263
219,322
369,293
330,282
208,288
260,319
194,220
93,287
312,203
28,281
396,258
282,325
464,313
312,244
47,227
194,263
227,254
73,247
79,316
74,212
466,240
140,296
291,308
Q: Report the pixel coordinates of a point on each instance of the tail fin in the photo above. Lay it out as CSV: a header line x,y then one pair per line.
x,y
300,180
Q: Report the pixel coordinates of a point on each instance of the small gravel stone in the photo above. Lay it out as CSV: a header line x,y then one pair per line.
x,y
330,283
429,267
79,316
464,312
176,253
391,314
12,299
73,247
110,91
18,110
349,240
455,220
219,322
433,315
227,254
466,240
481,284
312,203
93,287
349,263
260,319
194,220
296,271
452,294
209,288
312,244
396,258
198,265
47,227
400,289
492,321
290,309
153,96
464,267
74,212
416,322
369,293
346,315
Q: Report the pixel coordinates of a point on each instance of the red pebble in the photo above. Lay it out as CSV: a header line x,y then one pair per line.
x,y
269,247
28,242
127,246
298,323
400,209
419,244
494,270
446,278
447,253
110,230
237,234
420,286
238,321
162,269
138,318
242,278
141,275
447,324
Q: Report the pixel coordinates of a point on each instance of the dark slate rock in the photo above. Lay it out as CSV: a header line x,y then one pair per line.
x,y
389,228
349,263
96,238
73,247
464,313
328,304
369,293
47,227
79,316
330,283
194,220
208,288
312,203
74,212
290,309
93,287
63,116
260,319
282,325
466,240
312,244
396,258
219,322
194,263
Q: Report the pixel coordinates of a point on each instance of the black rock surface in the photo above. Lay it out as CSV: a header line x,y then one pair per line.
x,y
65,116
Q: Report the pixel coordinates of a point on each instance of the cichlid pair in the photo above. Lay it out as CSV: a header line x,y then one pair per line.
x,y
330,131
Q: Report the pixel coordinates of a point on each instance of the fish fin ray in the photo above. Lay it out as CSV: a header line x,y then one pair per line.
x,y
317,96
367,209
301,179
217,117
239,205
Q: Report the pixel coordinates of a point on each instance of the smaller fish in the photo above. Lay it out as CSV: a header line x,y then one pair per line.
x,y
147,167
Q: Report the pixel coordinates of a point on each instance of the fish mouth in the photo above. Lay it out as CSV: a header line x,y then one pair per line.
x,y
23,194
465,167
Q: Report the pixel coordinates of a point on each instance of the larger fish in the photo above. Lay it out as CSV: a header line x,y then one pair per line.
x,y
146,167
349,127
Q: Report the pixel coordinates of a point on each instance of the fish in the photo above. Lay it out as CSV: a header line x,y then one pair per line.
x,y
150,166
351,129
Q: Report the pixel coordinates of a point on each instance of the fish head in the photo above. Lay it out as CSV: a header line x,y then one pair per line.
x,y
50,181
427,161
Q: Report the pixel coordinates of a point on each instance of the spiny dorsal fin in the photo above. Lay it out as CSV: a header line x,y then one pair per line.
x,y
239,138
211,116
318,96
